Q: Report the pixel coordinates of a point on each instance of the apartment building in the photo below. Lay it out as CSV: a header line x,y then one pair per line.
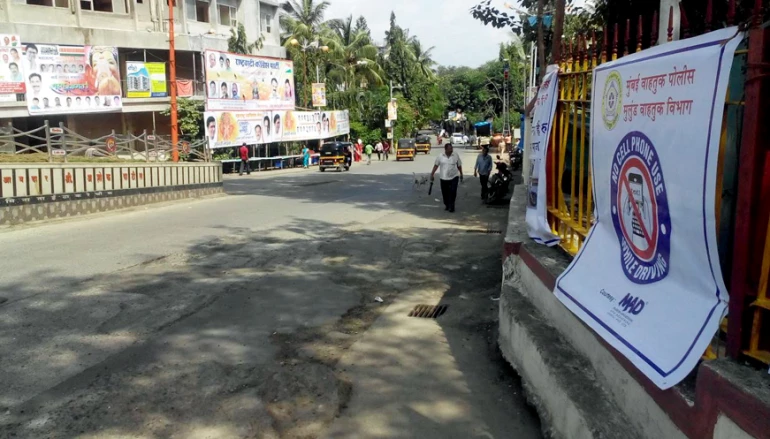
x,y
139,31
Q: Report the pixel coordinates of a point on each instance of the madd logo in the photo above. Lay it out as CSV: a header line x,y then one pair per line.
x,y
640,212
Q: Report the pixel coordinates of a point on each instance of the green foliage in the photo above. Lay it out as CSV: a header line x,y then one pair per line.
x,y
238,43
189,117
368,135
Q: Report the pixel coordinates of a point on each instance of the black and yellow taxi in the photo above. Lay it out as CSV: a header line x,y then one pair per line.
x,y
422,143
335,155
406,149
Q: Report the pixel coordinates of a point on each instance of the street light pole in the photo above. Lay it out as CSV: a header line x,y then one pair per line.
x,y
172,81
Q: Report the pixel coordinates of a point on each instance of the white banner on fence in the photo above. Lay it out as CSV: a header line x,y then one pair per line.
x,y
542,119
648,278
232,128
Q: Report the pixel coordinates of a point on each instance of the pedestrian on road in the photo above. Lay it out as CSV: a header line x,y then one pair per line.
x,y
368,150
359,150
385,148
244,150
378,149
450,169
305,157
483,168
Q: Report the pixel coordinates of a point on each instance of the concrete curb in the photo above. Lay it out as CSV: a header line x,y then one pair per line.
x,y
558,381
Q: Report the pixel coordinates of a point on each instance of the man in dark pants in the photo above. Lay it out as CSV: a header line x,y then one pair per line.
x,y
483,169
244,151
450,169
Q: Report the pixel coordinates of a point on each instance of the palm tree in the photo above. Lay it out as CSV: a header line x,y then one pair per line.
x,y
302,19
422,58
354,56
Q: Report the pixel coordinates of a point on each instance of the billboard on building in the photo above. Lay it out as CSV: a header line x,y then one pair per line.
x,y
71,79
146,79
319,95
246,83
11,67
232,128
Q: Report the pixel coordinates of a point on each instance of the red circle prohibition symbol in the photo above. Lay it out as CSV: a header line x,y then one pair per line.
x,y
651,237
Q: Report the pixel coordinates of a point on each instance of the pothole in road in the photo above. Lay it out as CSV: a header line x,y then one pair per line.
x,y
318,183
3,300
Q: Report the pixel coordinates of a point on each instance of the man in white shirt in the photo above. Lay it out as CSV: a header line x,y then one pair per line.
x,y
450,169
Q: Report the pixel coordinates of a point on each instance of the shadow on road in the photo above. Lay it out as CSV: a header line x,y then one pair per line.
x,y
241,335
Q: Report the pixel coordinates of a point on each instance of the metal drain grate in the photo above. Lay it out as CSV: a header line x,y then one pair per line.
x,y
485,232
428,311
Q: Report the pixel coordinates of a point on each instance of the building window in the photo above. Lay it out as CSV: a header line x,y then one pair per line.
x,y
96,5
198,10
267,23
50,3
227,16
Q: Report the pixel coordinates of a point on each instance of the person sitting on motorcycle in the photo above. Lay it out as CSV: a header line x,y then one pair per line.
x,y
482,169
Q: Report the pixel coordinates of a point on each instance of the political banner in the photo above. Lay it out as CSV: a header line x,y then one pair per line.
x,y
648,278
246,83
145,79
545,107
393,110
319,95
232,128
71,79
11,67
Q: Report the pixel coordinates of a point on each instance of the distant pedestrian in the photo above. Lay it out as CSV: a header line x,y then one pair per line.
x,y
368,150
450,169
378,149
385,148
305,157
483,168
244,150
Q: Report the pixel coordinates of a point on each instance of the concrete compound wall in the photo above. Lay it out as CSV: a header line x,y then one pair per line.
x,y
583,388
35,192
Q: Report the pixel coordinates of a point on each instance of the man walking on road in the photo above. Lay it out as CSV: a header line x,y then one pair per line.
x,y
368,151
385,148
378,149
244,150
450,169
482,169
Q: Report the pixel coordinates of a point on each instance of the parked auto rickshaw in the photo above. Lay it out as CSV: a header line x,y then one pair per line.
x,y
406,149
335,155
422,143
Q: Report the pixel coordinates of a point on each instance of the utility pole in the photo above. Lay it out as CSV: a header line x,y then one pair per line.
x,y
172,81
540,41
558,30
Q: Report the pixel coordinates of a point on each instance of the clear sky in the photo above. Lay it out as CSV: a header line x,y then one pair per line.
x,y
459,39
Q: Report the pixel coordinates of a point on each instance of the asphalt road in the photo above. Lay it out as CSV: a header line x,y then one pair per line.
x,y
251,315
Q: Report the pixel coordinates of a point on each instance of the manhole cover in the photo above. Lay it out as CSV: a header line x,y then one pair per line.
x,y
428,311
485,232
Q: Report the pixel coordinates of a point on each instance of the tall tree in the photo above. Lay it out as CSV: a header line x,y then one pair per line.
x,y
238,42
362,26
353,57
422,57
398,58
303,19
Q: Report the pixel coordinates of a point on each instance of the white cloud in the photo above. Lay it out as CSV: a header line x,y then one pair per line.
x,y
458,38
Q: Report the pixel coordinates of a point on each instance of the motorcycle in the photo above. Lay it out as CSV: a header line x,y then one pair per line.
x,y
517,158
499,184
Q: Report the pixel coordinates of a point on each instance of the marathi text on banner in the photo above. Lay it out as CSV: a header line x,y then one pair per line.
x,y
232,128
545,107
71,79
245,83
319,94
11,67
146,79
648,278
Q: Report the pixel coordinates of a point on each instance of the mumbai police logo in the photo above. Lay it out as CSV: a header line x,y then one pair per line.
x,y
640,212
612,100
